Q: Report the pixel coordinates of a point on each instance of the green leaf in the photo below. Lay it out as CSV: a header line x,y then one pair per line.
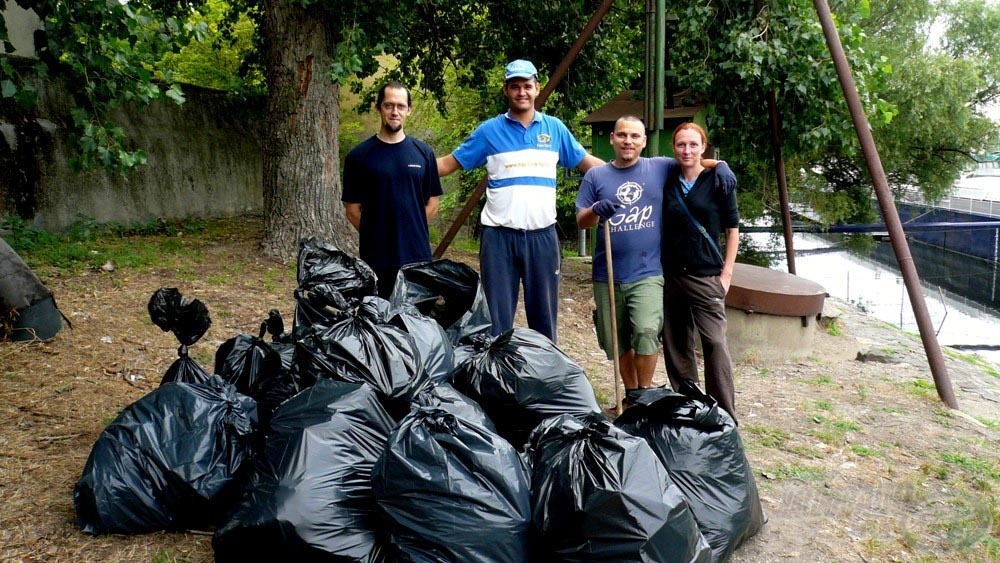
x,y
8,88
26,98
175,94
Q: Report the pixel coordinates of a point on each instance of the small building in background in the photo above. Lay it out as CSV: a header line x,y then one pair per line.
x,y
630,102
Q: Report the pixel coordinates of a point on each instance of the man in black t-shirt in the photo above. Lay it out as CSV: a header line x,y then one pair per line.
x,y
391,191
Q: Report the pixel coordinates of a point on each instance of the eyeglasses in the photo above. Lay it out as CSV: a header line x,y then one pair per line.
x,y
388,106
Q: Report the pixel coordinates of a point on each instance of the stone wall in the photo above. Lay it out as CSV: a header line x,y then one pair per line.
x,y
204,160
21,25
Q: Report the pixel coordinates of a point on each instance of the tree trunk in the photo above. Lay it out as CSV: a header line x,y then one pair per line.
x,y
302,184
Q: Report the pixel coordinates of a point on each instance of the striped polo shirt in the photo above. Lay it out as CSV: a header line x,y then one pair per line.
x,y
521,168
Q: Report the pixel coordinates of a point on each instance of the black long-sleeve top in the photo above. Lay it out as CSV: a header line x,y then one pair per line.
x,y
684,250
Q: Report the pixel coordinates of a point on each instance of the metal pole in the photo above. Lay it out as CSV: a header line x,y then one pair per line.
x,y
554,80
779,171
774,119
614,318
648,79
659,33
896,236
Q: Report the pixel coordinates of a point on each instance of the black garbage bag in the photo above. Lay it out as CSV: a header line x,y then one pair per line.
x,y
185,369
451,490
170,461
599,494
28,309
245,361
188,320
286,382
318,308
275,326
258,369
447,291
273,391
521,378
359,349
698,443
310,495
330,281
445,397
432,342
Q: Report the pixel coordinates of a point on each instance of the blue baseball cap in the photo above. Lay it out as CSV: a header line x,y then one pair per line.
x,y
520,69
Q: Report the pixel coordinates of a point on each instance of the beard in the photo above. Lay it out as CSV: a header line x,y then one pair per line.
x,y
390,128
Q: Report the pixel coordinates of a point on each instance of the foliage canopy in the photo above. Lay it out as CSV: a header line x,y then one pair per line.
x,y
924,102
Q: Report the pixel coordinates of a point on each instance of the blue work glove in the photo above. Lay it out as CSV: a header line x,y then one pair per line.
x,y
724,178
606,208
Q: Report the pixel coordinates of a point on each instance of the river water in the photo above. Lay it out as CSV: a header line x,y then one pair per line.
x,y
875,284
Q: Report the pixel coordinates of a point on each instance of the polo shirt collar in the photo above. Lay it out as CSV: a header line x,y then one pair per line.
x,y
536,118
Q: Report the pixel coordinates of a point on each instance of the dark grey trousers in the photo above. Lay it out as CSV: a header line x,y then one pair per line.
x,y
690,304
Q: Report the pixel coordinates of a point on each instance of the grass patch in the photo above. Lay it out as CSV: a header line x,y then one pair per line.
x,y
820,380
832,431
973,360
218,279
973,466
920,388
460,242
989,422
272,277
768,436
864,451
833,328
90,245
602,398
862,391
823,405
794,471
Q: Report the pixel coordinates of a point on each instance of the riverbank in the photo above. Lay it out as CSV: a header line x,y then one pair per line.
x,y
855,461
857,458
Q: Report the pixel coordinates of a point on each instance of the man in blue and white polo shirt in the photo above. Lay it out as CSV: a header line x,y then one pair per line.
x,y
520,149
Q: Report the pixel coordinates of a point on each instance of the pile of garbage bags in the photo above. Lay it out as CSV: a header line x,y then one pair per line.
x,y
400,430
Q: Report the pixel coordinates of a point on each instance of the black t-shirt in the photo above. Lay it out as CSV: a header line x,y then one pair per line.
x,y
392,182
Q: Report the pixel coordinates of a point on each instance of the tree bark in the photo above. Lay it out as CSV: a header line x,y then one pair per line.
x,y
301,161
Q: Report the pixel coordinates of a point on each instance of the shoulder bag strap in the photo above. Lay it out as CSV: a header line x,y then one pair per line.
x,y
701,229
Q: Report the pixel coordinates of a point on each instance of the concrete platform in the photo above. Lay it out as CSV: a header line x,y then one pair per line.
x,y
771,315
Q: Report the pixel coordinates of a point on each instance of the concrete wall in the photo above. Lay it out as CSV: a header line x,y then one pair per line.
x,y
21,26
204,160
757,337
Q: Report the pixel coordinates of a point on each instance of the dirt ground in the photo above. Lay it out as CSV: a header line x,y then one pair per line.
x,y
855,461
